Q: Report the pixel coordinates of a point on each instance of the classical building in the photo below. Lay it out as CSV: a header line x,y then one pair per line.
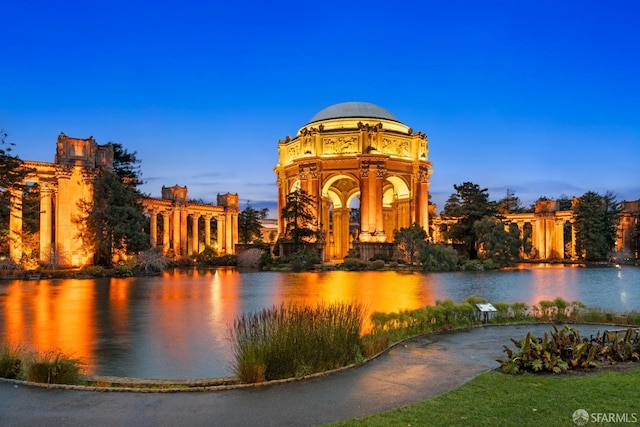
x,y
551,232
175,223
357,154
64,184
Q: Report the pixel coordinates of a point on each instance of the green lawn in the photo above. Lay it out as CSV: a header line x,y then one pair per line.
x,y
496,399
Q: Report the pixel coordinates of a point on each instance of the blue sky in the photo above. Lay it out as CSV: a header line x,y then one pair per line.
x,y
539,97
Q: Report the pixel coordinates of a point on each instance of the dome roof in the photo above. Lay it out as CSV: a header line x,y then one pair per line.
x,y
353,110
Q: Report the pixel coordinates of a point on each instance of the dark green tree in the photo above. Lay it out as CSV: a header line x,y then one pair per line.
x,y
468,204
126,166
497,244
510,203
564,203
595,223
438,257
12,174
249,226
410,241
299,217
114,220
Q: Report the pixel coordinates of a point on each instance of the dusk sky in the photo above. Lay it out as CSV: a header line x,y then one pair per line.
x,y
539,97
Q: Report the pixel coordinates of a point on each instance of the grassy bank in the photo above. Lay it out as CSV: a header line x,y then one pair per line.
x,y
52,367
496,399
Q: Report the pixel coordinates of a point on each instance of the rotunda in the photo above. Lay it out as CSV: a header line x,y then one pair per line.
x,y
357,155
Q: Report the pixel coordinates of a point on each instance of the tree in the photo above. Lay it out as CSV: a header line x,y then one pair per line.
x,y
299,217
410,241
510,203
12,174
438,257
564,203
249,226
126,166
469,204
114,220
500,245
595,225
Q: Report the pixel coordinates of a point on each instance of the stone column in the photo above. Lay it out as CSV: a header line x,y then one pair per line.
x,y
183,232
221,232
166,245
341,231
46,217
379,178
195,218
64,228
207,230
233,231
153,227
422,207
336,234
15,226
558,239
365,231
176,232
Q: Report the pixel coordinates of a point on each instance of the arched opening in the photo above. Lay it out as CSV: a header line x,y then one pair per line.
x,y
339,195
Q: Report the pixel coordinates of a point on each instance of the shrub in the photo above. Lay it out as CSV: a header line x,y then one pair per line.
x,y
381,256
266,260
473,265
305,259
438,258
11,362
53,367
94,271
377,264
250,258
289,341
374,344
126,269
354,264
151,262
566,349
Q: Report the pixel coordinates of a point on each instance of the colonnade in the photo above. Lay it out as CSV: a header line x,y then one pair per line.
x,y
173,216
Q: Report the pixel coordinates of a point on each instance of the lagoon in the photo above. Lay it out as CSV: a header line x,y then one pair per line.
x,y
177,325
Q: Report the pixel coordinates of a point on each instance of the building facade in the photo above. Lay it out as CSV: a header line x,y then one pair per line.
x,y
62,185
68,182
356,154
176,223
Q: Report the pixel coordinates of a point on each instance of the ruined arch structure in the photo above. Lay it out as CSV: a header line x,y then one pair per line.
x,y
357,151
63,185
67,181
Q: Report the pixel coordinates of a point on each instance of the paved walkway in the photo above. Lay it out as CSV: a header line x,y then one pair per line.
x,y
417,370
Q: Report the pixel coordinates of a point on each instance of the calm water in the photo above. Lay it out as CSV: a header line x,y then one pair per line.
x,y
177,326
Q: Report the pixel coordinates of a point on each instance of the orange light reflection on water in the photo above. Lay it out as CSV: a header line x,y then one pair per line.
x,y
47,315
551,281
382,291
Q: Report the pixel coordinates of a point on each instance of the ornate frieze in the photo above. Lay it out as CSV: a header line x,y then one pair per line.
x,y
395,147
340,145
293,152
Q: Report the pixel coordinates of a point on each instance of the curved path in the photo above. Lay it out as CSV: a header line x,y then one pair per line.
x,y
417,370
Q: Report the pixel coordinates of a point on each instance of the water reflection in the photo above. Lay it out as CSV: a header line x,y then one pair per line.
x,y
177,325
46,315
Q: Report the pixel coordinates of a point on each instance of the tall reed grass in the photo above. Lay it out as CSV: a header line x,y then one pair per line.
x,y
52,367
292,340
